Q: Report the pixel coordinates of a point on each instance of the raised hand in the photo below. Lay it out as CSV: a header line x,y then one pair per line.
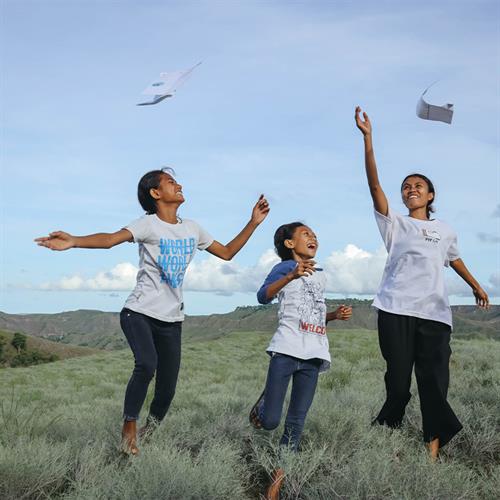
x,y
482,299
260,210
365,126
303,268
58,240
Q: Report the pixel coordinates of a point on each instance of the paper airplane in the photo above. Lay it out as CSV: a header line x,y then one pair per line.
x,y
166,85
428,111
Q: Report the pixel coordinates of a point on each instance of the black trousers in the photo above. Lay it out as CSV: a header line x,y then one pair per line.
x,y
157,349
406,341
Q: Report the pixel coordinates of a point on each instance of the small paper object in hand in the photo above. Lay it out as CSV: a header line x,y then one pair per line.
x,y
428,111
166,85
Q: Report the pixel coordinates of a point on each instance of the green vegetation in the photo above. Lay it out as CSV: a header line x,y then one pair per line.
x,y
17,349
60,426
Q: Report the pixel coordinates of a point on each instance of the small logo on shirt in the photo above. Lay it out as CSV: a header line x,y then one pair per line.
x,y
431,236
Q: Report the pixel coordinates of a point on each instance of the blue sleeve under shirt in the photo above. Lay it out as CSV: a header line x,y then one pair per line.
x,y
277,272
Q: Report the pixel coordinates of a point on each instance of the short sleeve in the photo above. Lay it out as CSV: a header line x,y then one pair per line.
x,y
452,253
140,229
386,225
277,272
205,239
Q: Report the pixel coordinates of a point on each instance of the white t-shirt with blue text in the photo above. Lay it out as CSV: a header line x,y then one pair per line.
x,y
413,281
301,329
165,251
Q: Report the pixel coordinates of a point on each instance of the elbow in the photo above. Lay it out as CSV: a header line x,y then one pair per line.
x,y
262,297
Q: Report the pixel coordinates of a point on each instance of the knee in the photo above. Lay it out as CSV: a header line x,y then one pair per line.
x,y
145,370
271,423
400,393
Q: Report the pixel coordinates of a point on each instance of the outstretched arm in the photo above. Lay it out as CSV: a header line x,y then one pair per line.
x,y
227,252
378,195
59,240
481,296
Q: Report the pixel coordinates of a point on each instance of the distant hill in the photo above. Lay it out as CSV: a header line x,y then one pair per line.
x,y
101,330
37,350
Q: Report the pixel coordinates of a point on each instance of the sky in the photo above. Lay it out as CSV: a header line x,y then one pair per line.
x,y
269,110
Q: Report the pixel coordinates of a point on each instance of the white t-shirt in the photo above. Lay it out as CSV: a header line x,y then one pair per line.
x,y
413,281
301,329
165,251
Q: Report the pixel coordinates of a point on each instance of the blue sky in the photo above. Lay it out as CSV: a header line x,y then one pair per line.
x,y
270,110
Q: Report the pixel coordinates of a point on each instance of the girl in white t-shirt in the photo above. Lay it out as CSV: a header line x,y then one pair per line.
x,y
153,313
414,316
299,347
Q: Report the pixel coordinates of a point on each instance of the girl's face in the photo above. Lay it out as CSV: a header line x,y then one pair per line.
x,y
303,243
415,193
168,191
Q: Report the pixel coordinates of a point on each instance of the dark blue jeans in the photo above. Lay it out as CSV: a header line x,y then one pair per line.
x,y
305,378
157,348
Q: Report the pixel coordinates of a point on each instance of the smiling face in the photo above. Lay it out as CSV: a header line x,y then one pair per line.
x,y
415,193
303,243
168,191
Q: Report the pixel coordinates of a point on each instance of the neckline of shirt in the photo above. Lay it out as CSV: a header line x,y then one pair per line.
x,y
178,223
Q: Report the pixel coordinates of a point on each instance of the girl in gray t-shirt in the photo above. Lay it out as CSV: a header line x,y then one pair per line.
x,y
153,313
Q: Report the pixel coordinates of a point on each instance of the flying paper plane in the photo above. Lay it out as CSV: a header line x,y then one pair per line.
x,y
166,85
428,111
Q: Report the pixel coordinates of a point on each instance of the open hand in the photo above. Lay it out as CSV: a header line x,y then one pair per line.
x,y
58,240
482,300
260,210
365,126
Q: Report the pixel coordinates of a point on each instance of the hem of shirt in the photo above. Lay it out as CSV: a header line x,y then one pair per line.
x,y
413,314
323,368
168,319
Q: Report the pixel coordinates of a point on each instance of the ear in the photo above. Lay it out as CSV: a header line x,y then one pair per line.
x,y
154,194
289,244
430,197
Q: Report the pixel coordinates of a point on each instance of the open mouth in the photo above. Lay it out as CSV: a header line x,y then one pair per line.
x,y
311,246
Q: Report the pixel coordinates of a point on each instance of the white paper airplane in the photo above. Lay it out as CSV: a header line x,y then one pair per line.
x,y
428,111
166,85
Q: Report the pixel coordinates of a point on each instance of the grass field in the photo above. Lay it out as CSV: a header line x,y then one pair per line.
x,y
60,425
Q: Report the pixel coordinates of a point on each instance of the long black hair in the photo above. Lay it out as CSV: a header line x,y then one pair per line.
x,y
151,180
285,232
430,186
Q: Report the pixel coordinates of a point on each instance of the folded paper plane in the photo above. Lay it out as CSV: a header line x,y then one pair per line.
x,y
428,111
166,85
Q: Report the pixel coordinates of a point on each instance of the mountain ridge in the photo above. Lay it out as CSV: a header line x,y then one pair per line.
x,y
99,329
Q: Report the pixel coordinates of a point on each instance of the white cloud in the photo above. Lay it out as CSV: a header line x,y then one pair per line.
x,y
355,271
121,277
351,271
215,275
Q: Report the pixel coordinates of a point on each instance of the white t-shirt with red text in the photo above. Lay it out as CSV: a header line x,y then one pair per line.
x,y
301,331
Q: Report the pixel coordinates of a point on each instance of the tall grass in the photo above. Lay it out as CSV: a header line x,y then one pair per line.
x,y
60,426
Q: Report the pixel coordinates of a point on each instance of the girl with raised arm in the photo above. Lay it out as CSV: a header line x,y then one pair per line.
x,y
153,313
414,316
